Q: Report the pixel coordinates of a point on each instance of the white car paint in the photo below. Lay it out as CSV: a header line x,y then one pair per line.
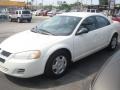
x,y
80,46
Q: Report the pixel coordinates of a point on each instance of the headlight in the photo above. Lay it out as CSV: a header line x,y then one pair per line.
x,y
35,54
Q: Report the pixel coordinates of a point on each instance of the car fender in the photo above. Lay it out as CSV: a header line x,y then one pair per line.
x,y
51,50
115,29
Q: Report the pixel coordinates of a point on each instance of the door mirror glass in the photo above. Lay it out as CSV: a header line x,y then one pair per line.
x,y
82,30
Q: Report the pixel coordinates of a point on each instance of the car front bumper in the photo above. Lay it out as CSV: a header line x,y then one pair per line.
x,y
25,18
22,68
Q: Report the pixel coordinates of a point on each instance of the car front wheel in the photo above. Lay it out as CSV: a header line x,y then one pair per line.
x,y
29,20
19,20
57,65
10,19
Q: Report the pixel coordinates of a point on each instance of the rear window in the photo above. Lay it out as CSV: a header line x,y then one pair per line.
x,y
88,10
25,12
92,10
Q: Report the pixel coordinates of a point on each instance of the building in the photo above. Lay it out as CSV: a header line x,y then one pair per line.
x,y
4,0
9,6
103,2
8,3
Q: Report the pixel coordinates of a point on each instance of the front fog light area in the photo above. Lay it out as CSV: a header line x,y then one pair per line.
x,y
19,71
35,54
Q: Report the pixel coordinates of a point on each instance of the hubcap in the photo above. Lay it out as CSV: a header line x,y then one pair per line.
x,y
59,65
114,42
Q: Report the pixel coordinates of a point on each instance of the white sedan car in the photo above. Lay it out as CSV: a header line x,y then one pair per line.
x,y
51,46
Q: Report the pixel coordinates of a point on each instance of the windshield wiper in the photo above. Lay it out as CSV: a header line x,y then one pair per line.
x,y
45,32
42,31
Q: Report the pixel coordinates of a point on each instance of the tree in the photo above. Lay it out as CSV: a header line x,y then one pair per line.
x,y
48,7
64,6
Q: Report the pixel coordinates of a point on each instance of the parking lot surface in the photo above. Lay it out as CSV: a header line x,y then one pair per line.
x,y
78,77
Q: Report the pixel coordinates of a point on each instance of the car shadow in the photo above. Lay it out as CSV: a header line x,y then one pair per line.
x,y
79,71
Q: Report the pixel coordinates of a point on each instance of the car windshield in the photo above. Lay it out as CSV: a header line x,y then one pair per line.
x,y
58,25
25,12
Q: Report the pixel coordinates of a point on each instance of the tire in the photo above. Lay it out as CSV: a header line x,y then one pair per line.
x,y
29,20
19,20
57,65
113,43
10,19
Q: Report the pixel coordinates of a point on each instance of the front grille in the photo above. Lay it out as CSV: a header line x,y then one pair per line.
x,y
5,53
2,60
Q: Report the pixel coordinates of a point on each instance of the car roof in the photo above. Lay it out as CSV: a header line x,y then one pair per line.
x,y
81,14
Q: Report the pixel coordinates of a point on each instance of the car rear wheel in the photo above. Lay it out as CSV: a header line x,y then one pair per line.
x,y
57,65
114,42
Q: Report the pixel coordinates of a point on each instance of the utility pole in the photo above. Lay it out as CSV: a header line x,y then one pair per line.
x,y
42,4
77,4
91,2
32,4
27,4
36,4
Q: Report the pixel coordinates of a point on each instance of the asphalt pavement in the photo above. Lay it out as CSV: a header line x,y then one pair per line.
x,y
78,78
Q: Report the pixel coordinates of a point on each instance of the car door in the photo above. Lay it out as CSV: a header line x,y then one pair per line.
x,y
103,31
85,43
15,15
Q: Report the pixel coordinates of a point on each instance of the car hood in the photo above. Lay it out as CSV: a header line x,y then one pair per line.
x,y
28,40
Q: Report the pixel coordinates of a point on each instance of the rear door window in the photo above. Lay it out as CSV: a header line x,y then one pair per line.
x,y
16,12
102,22
19,12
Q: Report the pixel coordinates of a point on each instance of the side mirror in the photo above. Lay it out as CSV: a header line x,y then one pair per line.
x,y
82,31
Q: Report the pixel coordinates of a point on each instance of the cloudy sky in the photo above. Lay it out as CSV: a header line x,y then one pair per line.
x,y
68,1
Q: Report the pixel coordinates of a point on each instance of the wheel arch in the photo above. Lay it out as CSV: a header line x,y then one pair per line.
x,y
47,69
62,49
115,34
50,53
